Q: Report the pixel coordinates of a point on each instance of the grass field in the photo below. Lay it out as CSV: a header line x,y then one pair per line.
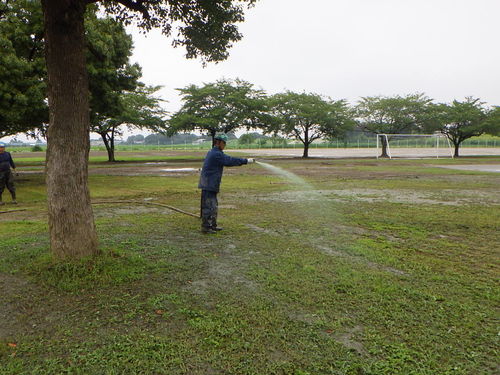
x,y
385,267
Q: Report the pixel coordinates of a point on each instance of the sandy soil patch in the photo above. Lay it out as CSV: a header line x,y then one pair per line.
x,y
144,169
474,167
368,152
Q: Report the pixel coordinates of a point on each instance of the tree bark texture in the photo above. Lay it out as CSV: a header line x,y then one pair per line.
x,y
111,152
305,154
71,221
384,147
212,134
110,146
306,142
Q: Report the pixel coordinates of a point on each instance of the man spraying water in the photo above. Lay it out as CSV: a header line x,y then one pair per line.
x,y
210,179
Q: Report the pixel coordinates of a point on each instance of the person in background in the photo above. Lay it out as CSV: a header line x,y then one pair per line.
x,y
210,179
6,176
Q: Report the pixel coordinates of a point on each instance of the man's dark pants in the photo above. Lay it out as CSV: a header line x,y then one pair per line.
x,y
7,179
209,206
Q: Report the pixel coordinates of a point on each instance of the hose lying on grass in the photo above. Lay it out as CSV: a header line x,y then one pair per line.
x,y
6,212
151,203
118,202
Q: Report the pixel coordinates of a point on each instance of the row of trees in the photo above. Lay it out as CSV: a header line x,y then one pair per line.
x,y
227,105
162,139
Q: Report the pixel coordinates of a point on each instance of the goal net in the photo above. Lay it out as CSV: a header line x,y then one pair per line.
x,y
413,146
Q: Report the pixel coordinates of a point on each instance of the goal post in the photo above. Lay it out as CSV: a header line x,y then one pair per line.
x,y
413,146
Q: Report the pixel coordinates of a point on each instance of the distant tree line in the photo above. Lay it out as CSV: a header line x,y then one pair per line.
x,y
229,105
162,139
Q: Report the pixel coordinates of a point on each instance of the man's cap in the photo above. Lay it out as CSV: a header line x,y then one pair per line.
x,y
221,137
2,144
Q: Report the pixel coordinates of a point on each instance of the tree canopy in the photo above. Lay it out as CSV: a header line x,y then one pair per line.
x,y
110,72
222,106
459,121
394,115
492,123
308,117
22,68
139,109
117,97
206,29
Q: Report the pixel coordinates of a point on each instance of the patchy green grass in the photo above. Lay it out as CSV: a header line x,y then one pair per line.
x,y
390,268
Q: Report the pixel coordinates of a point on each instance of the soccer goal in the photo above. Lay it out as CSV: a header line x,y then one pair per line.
x,y
413,146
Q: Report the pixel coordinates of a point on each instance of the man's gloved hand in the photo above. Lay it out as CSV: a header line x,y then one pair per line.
x,y
250,160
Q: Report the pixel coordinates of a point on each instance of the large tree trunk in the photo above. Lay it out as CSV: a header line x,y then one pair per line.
x,y
71,221
306,143
305,154
212,134
385,145
457,147
111,152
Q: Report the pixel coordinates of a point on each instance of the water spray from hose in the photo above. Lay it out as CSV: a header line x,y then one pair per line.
x,y
291,177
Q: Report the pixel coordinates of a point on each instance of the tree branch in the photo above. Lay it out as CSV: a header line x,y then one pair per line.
x,y
94,52
137,5
297,134
314,137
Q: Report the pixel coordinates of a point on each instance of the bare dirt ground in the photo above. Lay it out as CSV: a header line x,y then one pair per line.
x,y
147,169
293,152
370,152
120,154
188,166
474,167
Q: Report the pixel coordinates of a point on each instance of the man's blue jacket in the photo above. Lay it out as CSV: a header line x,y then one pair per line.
x,y
211,173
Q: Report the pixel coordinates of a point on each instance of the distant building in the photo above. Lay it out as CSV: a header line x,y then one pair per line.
x,y
96,142
17,144
199,141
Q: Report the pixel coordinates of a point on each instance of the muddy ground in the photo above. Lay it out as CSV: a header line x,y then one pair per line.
x,y
292,152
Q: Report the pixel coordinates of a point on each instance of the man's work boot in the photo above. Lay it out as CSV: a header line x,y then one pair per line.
x,y
14,201
208,230
217,229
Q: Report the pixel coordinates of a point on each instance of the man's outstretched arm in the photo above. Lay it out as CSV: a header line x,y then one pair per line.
x,y
229,161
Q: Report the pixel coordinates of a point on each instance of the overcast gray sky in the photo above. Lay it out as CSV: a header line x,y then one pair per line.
x,y
348,49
